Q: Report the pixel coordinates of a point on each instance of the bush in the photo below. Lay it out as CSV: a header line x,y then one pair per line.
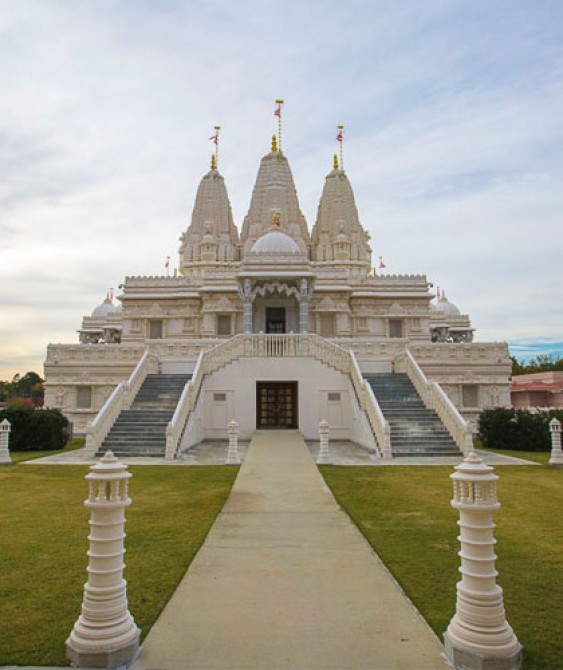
x,y
518,429
36,430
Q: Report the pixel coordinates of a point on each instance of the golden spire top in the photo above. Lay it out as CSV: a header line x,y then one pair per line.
x,y
340,139
213,162
335,162
215,139
274,144
278,113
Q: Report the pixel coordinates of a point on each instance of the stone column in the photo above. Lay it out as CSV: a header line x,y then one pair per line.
x,y
556,459
479,635
324,452
105,634
233,457
5,428
245,294
305,291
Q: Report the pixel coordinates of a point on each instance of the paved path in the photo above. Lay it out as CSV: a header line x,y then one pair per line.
x,y
284,581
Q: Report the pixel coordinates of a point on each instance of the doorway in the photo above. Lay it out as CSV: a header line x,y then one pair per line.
x,y
275,320
276,405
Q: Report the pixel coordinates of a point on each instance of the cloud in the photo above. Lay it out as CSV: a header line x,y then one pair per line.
x,y
453,138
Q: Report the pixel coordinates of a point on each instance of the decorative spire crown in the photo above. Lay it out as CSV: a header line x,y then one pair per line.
x,y
335,162
274,144
213,162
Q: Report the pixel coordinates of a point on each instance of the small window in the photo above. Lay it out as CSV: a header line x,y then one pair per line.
x,y
83,397
334,397
470,395
223,324
155,330
395,328
219,397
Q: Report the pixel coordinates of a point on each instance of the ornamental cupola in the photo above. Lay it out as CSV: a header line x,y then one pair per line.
x,y
274,202
212,236
337,234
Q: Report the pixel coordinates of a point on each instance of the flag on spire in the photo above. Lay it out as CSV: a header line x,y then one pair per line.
x,y
215,138
339,136
277,111
382,265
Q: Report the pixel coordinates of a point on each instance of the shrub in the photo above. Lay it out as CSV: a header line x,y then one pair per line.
x,y
508,428
36,430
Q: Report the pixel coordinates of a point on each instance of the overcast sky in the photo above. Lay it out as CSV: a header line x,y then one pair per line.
x,y
453,144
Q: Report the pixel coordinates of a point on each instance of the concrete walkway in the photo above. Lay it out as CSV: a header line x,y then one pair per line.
x,y
285,581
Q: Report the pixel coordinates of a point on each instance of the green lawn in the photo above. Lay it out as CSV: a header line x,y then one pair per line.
x,y
405,514
19,456
43,544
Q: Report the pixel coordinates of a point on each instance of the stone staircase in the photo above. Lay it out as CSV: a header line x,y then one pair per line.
x,y
141,430
415,429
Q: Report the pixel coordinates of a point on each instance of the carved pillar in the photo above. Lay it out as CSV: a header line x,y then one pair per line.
x,y
233,457
5,428
556,459
245,294
105,634
479,636
305,292
324,452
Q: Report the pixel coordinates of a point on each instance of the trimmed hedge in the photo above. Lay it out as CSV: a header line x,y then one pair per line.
x,y
36,429
518,429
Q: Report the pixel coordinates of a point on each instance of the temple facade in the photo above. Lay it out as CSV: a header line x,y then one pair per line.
x,y
276,312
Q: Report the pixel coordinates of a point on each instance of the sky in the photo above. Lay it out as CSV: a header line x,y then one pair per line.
x,y
453,143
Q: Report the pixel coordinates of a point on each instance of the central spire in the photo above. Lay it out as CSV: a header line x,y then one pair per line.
x,y
274,198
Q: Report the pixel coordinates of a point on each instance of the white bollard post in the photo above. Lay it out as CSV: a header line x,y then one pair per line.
x,y
556,459
5,428
324,452
105,634
233,457
479,635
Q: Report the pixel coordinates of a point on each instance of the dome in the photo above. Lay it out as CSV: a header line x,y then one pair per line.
x,y
275,242
446,307
107,307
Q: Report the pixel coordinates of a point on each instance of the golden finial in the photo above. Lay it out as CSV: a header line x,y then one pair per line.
x,y
213,162
274,144
335,162
278,113
339,139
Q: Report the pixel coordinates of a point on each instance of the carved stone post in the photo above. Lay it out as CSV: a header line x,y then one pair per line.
x,y
479,635
233,457
305,291
556,459
105,634
5,428
324,452
245,294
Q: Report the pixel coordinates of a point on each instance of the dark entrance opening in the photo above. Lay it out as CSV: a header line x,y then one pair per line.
x,y
276,405
275,320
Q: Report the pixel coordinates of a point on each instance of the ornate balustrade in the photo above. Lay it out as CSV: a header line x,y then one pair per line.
x,y
434,398
120,399
186,405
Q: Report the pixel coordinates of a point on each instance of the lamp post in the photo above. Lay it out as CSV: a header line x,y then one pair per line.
x,y
479,636
105,634
556,459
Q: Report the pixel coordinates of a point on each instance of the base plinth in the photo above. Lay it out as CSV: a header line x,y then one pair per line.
x,y
107,658
462,659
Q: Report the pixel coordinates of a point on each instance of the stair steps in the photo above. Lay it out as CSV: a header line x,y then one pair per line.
x,y
415,429
141,430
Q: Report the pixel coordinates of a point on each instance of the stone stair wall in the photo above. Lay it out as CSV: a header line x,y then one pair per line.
x,y
141,430
415,429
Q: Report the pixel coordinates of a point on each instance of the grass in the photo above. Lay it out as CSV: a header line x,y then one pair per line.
x,y
404,513
19,456
43,544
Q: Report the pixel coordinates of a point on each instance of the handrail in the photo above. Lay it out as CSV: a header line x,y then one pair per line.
x,y
368,403
120,398
186,404
435,398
